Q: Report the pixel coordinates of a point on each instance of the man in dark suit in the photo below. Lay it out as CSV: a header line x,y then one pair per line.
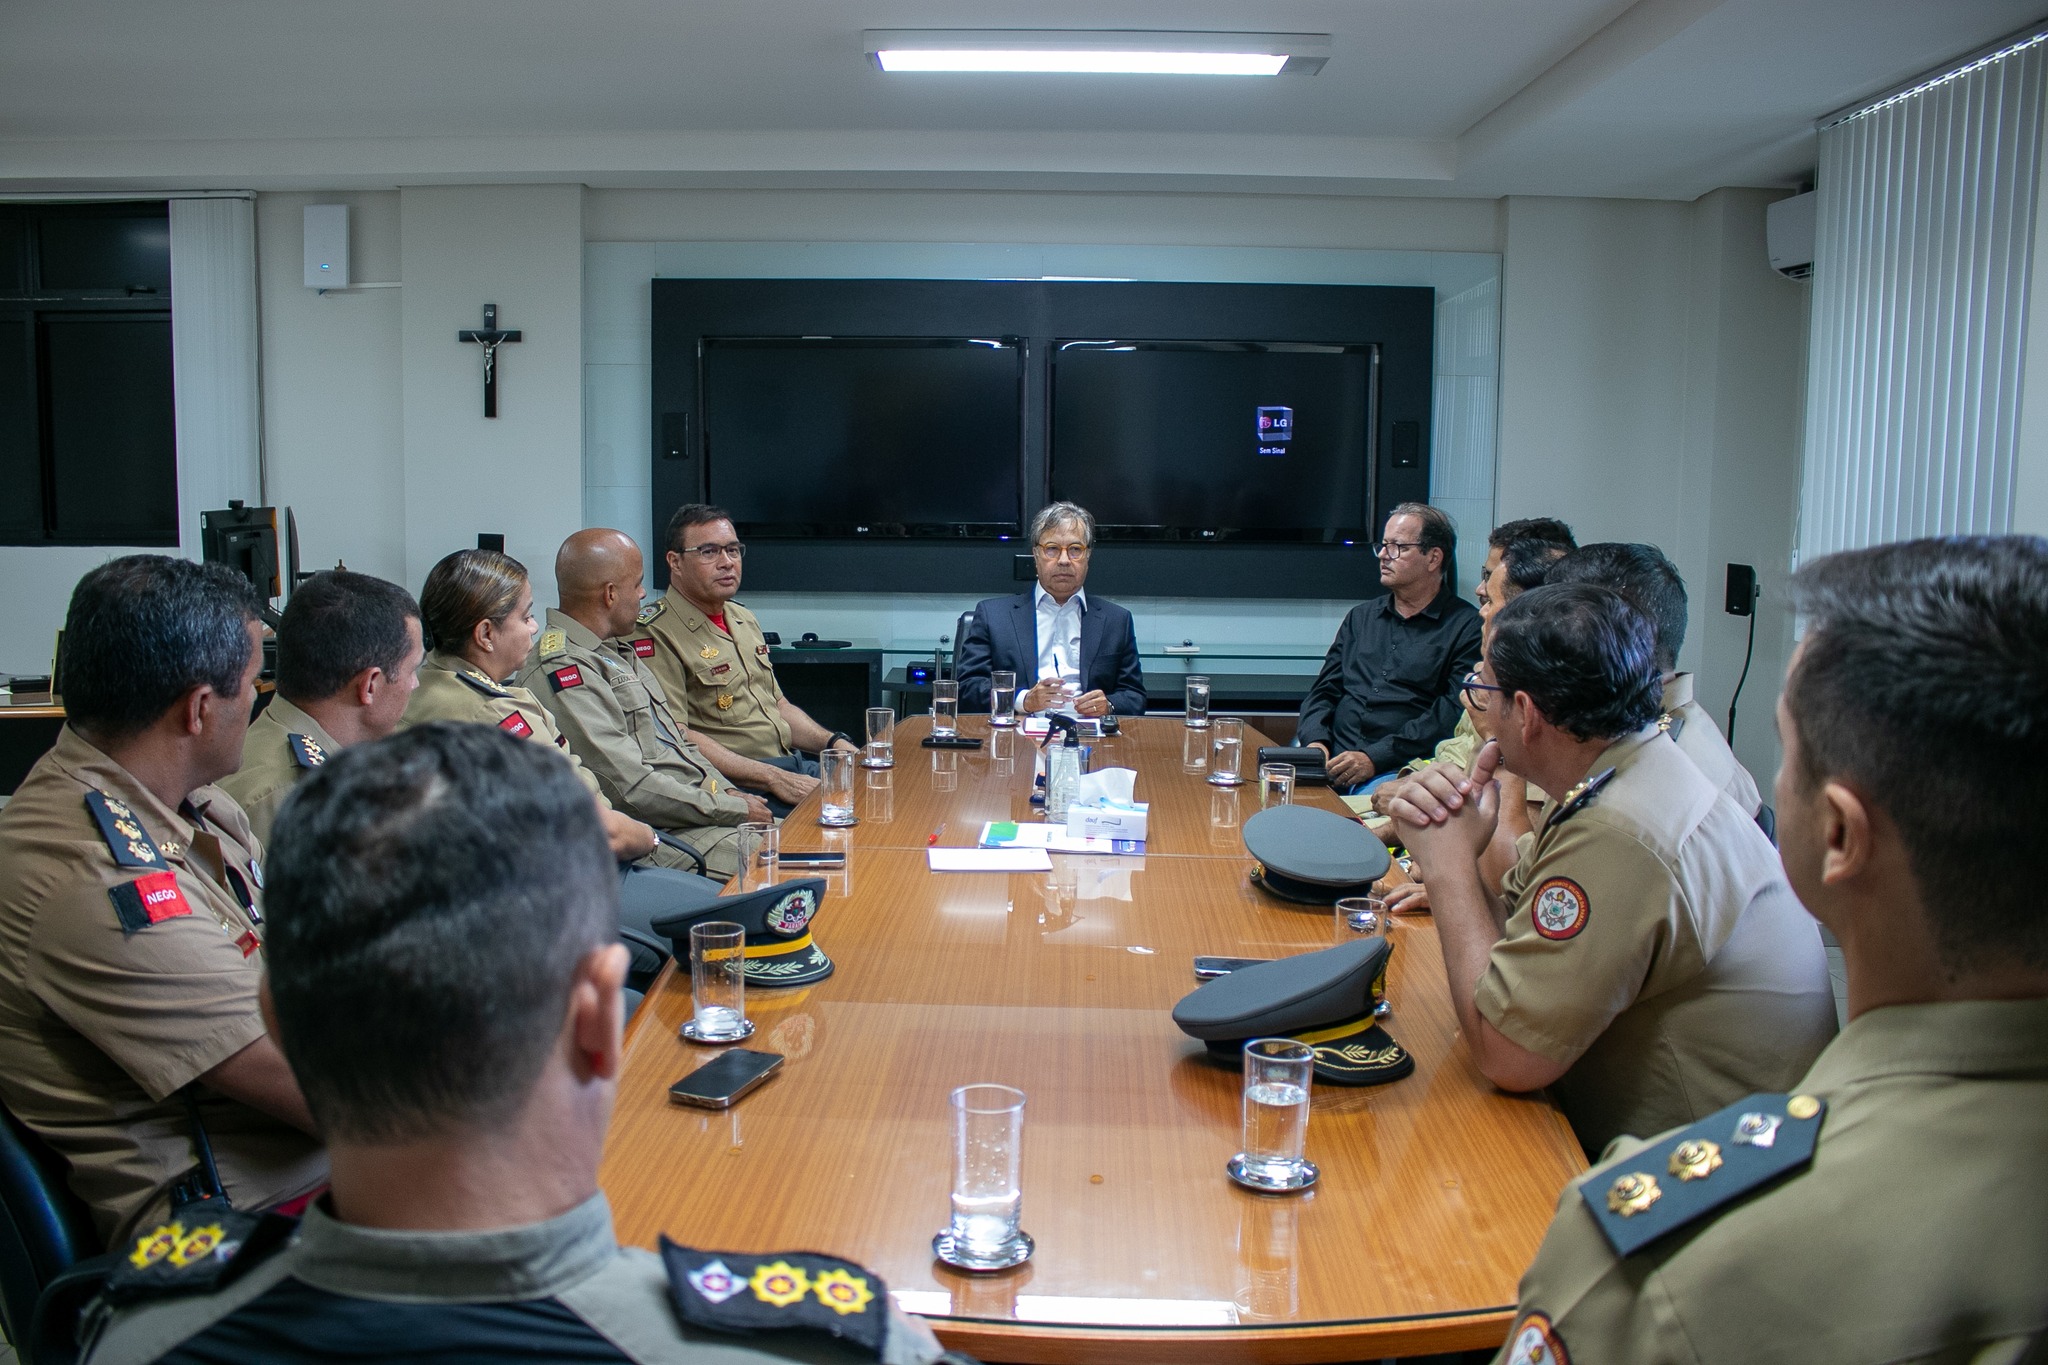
x,y
1079,651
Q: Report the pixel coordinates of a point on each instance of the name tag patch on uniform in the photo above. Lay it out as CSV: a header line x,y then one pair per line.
x,y
515,724
572,676
720,668
644,648
1536,1342
148,900
1560,908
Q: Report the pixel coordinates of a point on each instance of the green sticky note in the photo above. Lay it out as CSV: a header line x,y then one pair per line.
x,y
1002,831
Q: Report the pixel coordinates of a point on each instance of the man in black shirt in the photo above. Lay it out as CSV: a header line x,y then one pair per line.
x,y
1389,689
445,984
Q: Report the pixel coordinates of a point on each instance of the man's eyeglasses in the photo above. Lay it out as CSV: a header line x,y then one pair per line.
x,y
1394,549
1475,690
1052,553
711,554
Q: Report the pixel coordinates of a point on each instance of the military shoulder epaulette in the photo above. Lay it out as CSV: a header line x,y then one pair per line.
x,y
1695,1170
1580,797
126,839
306,751
481,683
729,1292
659,606
553,641
1671,723
201,1248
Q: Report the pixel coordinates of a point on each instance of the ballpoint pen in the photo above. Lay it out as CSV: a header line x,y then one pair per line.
x,y
933,840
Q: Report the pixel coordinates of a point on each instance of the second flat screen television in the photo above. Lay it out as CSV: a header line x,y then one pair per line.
x,y
864,436
1227,440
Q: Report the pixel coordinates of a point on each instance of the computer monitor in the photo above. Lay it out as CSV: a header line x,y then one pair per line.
x,y
244,539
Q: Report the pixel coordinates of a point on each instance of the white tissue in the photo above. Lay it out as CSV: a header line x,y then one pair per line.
x,y
1107,787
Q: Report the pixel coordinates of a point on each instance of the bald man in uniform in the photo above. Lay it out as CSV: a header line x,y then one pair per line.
x,y
614,712
348,659
1893,1206
1644,957
712,660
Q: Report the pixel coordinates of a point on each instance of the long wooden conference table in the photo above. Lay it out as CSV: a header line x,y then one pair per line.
x,y
1435,1189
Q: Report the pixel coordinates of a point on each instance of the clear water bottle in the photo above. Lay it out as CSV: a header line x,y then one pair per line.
x,y
1062,777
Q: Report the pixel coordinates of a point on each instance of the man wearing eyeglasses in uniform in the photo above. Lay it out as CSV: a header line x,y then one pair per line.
x,y
708,651
1388,691
1080,652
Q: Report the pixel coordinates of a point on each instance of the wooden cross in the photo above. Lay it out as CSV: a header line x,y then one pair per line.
x,y
490,338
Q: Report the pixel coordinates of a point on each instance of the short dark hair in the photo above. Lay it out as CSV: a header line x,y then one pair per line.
x,y
1532,528
1526,561
688,515
1584,654
336,625
1641,573
144,630
467,587
1438,533
429,897
1922,681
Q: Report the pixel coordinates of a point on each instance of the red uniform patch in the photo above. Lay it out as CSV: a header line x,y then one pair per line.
x,y
148,900
721,668
572,676
1560,908
644,648
248,942
515,724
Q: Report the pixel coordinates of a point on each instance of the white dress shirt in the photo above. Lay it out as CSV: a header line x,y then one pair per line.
x,y
1059,637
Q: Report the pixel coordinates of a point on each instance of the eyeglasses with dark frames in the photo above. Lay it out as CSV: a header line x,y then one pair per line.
x,y
1475,691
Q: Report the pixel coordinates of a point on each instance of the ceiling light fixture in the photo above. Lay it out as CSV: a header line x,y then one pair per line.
x,y
1122,52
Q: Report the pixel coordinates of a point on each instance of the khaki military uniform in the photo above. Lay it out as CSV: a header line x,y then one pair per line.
x,y
1654,948
616,719
131,949
1459,750
284,745
1686,721
724,683
1918,1231
452,688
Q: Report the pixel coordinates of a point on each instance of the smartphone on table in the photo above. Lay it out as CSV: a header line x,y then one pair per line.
x,y
1209,968
720,1082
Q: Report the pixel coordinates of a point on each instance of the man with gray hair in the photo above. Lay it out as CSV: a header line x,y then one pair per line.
x,y
1075,650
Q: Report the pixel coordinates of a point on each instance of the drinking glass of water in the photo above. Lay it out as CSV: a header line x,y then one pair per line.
x,y
988,1142
1198,702
760,854
881,747
835,788
1362,914
945,707
1002,698
718,984
1277,1073
1226,747
1276,784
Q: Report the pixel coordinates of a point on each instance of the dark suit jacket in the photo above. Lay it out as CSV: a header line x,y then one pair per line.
x,y
1004,634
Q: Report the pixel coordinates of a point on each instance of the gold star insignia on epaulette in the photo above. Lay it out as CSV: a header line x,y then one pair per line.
x,y
1695,1159
842,1292
117,808
553,642
1630,1194
197,1245
152,1247
141,852
779,1283
1664,724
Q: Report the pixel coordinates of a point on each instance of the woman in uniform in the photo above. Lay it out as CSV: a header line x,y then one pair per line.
x,y
477,608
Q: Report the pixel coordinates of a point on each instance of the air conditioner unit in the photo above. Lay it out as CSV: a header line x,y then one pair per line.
x,y
1788,232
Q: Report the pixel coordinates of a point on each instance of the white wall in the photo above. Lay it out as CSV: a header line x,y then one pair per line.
x,y
1650,391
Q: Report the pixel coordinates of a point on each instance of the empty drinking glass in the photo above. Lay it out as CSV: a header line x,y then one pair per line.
x,y
1198,702
718,984
881,746
988,1142
835,787
1277,1074
945,707
760,853
1002,698
1276,784
1362,914
1226,748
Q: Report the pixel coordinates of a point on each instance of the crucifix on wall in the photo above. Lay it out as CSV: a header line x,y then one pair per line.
x,y
490,338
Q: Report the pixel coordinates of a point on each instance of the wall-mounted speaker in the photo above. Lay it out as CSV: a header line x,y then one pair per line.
x,y
327,246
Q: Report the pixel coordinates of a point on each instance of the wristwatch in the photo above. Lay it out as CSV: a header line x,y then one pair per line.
x,y
838,735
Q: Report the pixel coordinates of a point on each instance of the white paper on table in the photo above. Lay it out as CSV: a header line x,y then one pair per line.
x,y
988,859
1055,839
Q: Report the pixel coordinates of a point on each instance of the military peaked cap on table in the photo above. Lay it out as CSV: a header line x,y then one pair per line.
x,y
1311,856
1325,999
780,949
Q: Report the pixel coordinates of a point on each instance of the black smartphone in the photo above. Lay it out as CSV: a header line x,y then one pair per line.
x,y
821,858
950,742
720,1082
1209,968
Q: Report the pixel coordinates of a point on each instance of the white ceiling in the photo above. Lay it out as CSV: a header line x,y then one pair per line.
x,y
1659,98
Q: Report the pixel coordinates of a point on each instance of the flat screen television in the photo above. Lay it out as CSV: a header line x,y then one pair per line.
x,y
1216,440
864,436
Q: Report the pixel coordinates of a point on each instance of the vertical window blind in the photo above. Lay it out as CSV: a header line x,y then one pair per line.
x,y
1923,244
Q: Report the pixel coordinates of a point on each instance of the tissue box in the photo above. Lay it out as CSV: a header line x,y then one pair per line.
x,y
1107,822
